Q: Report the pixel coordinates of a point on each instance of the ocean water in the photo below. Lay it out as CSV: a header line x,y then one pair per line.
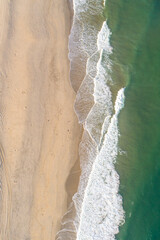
x,y
115,70
135,27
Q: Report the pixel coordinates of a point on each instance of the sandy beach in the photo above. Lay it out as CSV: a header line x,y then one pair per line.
x,y
39,131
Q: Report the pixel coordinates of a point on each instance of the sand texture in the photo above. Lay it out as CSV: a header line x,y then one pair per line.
x,y
39,132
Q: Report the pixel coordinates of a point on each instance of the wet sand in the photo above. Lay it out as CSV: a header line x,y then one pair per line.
x,y
39,132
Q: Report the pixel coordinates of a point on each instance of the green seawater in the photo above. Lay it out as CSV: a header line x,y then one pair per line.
x,y
135,27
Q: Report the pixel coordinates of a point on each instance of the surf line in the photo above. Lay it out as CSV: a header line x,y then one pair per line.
x,y
98,203
96,211
102,211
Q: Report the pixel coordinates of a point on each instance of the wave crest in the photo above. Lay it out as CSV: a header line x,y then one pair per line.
x,y
96,211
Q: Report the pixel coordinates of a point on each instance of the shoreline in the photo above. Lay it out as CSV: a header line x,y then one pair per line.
x,y
75,172
40,133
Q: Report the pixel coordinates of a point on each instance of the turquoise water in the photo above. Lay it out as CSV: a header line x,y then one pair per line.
x,y
135,27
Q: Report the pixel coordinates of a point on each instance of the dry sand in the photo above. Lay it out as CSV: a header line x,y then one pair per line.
x,y
39,132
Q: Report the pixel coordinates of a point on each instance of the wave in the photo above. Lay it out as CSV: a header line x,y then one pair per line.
x,y
102,211
87,22
96,211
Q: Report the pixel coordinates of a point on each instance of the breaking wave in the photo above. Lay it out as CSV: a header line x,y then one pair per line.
x,y
96,211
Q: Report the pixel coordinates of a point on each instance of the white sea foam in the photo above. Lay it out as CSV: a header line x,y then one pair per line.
x,y
102,211
83,37
96,211
96,81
